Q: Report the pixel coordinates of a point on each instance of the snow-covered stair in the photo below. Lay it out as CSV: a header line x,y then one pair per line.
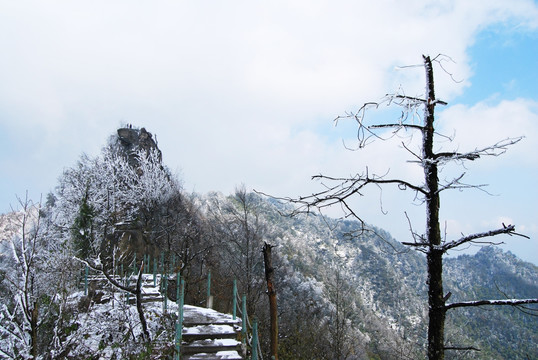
x,y
210,335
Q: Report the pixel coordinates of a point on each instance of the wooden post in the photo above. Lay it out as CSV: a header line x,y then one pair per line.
x,y
271,292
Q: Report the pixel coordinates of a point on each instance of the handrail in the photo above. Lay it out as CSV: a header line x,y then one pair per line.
x,y
256,351
239,303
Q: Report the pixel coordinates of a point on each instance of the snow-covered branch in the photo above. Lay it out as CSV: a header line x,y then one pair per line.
x,y
110,279
511,302
506,229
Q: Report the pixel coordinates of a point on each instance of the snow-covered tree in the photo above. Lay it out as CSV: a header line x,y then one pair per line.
x,y
29,289
108,208
241,230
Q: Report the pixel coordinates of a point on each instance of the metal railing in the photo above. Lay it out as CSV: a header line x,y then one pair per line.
x,y
246,326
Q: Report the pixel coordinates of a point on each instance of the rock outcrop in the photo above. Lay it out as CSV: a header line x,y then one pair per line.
x,y
132,140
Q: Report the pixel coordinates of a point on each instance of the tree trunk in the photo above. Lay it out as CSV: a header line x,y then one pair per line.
x,y
139,307
137,292
269,271
436,310
33,329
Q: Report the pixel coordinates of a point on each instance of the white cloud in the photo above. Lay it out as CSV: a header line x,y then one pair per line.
x,y
485,124
237,91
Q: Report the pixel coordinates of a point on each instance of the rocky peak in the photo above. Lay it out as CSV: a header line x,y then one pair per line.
x,y
132,140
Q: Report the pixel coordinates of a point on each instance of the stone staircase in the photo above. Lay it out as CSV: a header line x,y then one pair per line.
x,y
208,334
150,293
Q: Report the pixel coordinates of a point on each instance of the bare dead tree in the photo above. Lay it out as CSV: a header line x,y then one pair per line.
x,y
340,191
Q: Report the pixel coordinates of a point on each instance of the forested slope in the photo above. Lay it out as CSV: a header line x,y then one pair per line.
x,y
342,293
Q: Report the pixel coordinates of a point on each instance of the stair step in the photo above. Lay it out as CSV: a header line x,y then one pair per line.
x,y
200,332
210,346
193,316
221,355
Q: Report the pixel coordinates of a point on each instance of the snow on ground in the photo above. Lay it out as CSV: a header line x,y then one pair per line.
x,y
112,330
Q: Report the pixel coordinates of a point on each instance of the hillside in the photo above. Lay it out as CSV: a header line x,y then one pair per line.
x,y
387,287
344,292
378,286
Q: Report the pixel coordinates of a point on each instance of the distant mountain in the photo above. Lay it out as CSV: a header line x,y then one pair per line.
x,y
386,288
502,332
363,294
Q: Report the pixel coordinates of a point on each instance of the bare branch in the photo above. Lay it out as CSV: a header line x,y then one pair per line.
x,y
361,181
412,153
381,126
419,100
510,302
456,156
107,275
498,148
506,229
462,348
453,183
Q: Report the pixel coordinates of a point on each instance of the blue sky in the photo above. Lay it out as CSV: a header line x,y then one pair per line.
x,y
246,91
503,48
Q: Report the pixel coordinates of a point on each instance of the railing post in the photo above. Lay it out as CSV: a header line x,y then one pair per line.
x,y
154,272
165,294
127,284
162,272
244,319
209,303
254,339
179,324
234,311
178,284
86,280
135,270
